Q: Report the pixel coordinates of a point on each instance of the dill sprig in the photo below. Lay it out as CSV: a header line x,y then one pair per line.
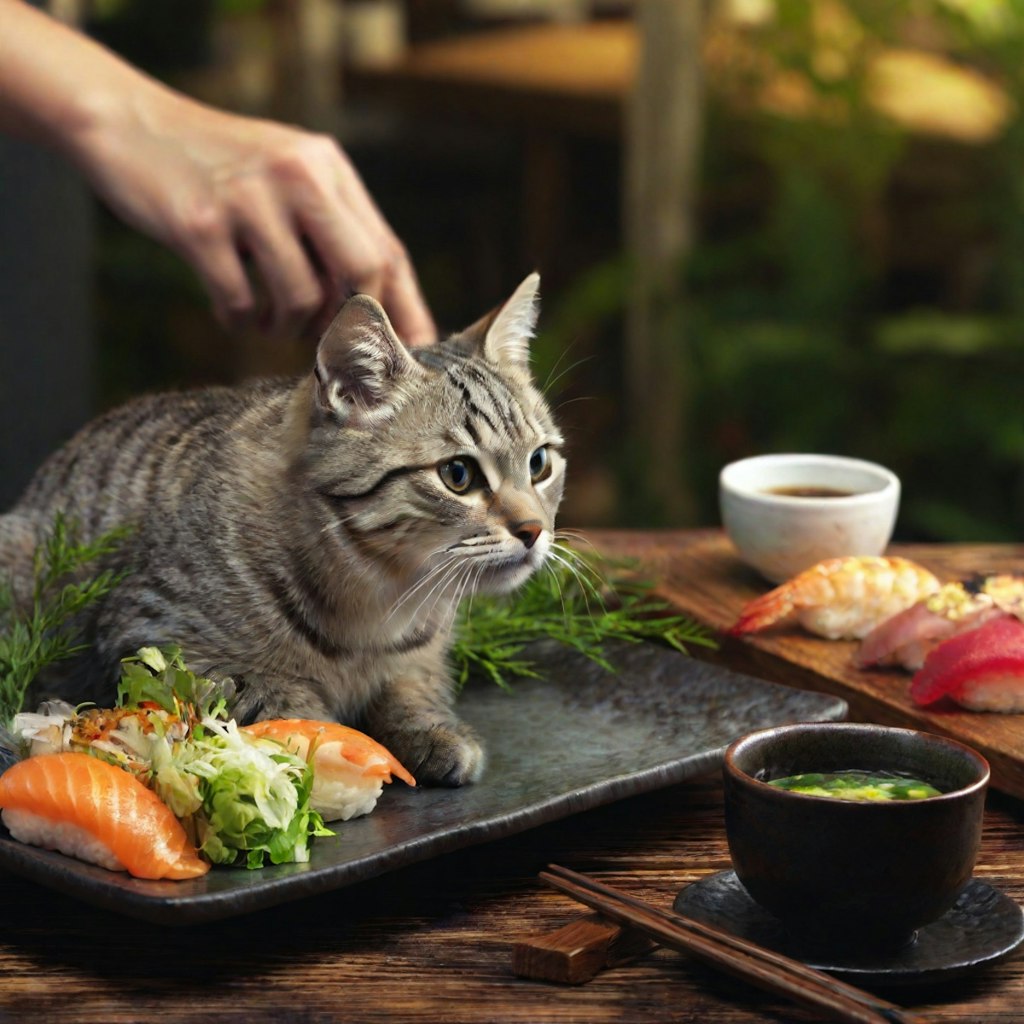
x,y
571,602
39,630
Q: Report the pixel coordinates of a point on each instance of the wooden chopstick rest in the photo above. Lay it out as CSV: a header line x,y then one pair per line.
x,y
764,967
579,950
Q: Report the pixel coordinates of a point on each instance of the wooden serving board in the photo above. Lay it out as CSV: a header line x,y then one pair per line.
x,y
700,573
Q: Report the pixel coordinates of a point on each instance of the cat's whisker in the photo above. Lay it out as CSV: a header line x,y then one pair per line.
x,y
460,586
553,378
550,568
557,580
566,552
469,582
582,571
336,521
425,559
572,401
427,579
453,567
569,551
564,533
451,592
469,602
438,575
475,589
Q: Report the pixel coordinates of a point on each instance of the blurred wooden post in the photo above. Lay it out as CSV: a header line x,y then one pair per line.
x,y
307,59
664,118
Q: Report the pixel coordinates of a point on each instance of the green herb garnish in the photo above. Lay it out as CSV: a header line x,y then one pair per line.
x,y
160,676
37,630
570,602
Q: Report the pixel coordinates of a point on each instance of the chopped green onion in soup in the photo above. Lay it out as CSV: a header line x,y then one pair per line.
x,y
857,785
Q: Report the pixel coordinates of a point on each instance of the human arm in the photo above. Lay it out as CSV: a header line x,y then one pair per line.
x,y
216,187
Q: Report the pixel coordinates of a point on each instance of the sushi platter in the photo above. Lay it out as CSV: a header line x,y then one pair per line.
x,y
579,738
700,574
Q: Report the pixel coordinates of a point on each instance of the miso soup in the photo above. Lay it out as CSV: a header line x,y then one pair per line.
x,y
857,785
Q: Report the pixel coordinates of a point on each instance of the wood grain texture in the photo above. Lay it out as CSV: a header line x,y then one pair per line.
x,y
434,942
700,573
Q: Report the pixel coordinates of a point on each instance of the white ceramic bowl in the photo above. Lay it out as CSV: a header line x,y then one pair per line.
x,y
782,534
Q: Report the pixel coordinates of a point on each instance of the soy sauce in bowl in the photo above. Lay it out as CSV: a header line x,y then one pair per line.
x,y
809,492
786,512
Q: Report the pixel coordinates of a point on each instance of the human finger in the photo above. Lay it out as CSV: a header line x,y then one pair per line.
x,y
341,237
401,294
354,246
363,255
206,242
405,303
293,287
350,258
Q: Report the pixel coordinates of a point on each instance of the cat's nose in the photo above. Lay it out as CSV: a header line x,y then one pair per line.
x,y
527,532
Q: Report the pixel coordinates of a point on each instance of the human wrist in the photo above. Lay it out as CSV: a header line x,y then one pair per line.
x,y
56,84
107,113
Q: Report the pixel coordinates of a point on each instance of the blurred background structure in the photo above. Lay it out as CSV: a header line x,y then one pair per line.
x,y
761,225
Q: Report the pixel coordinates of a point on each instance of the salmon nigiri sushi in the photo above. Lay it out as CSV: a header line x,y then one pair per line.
x,y
97,812
349,767
982,670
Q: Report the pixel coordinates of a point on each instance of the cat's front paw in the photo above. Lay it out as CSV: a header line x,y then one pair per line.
x,y
441,755
253,697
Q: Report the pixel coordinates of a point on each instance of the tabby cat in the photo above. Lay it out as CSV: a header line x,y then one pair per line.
x,y
311,538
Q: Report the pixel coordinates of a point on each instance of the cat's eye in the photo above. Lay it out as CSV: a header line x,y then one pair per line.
x,y
458,475
540,464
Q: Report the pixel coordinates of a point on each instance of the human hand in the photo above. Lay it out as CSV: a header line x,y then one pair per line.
x,y
225,191
221,189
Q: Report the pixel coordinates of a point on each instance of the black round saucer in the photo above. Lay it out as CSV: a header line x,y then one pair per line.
x,y
983,926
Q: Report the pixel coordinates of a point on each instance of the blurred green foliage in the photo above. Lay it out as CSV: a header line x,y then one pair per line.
x,y
802,335
808,321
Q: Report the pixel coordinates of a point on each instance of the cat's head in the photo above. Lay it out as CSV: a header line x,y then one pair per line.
x,y
440,461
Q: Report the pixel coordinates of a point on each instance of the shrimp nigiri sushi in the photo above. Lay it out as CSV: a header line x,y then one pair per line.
x,y
840,598
982,670
349,768
95,811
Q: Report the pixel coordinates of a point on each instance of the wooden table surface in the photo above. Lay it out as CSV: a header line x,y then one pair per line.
x,y
700,573
433,942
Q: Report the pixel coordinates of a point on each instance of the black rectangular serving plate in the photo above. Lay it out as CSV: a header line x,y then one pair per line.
x,y
576,739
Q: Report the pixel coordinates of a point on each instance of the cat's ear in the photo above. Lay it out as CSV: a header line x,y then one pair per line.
x,y
360,363
503,336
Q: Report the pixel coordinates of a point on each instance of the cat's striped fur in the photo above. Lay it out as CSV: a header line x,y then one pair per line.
x,y
311,539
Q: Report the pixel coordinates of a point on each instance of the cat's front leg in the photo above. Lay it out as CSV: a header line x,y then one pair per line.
x,y
413,717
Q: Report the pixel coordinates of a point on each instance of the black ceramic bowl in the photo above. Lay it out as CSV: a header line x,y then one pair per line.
x,y
853,873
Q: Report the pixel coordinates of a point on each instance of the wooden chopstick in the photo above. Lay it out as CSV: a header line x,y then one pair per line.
x,y
762,967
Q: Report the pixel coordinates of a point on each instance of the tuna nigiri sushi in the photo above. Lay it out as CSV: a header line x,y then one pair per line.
x,y
349,767
94,811
906,638
982,670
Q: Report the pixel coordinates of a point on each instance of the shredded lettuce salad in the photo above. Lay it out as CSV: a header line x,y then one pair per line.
x,y
242,800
